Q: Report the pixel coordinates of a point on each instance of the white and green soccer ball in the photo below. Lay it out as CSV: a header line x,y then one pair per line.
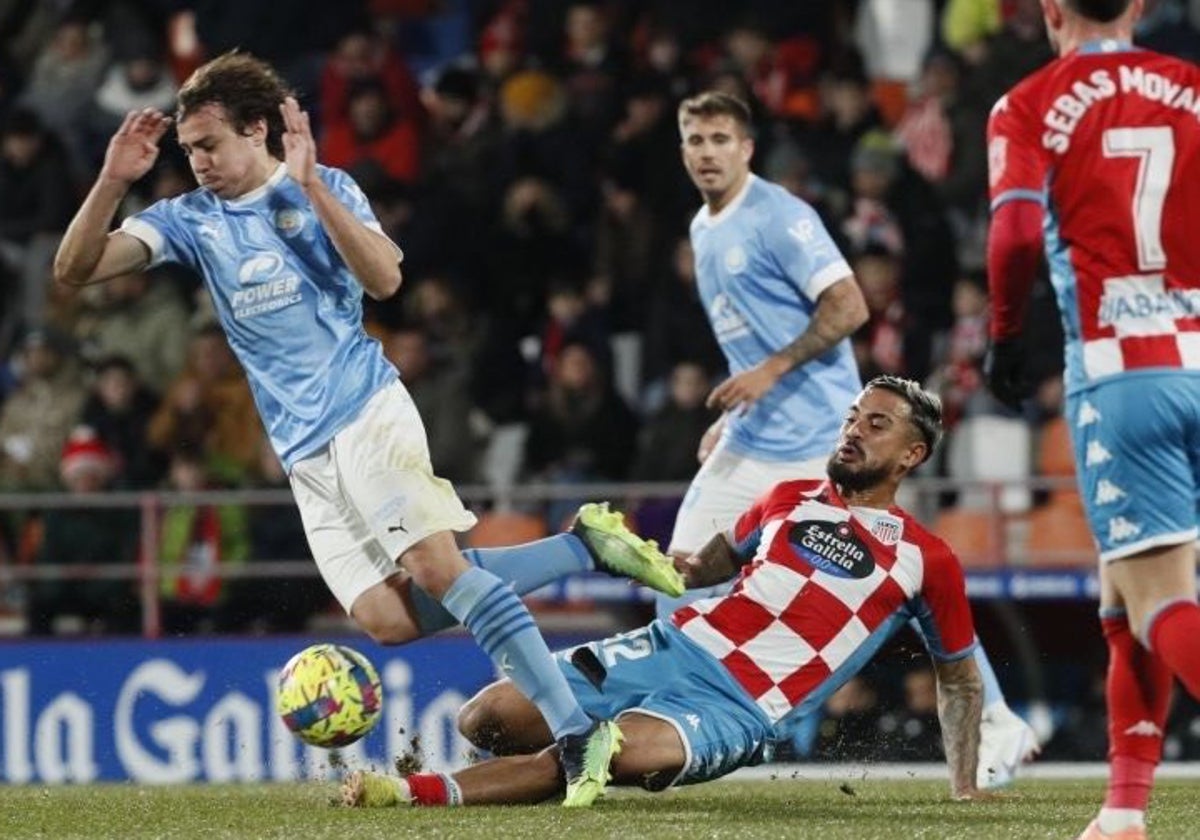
x,y
329,695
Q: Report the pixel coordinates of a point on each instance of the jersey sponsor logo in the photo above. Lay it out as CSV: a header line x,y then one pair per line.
x,y
693,721
1107,492
997,158
1087,415
268,286
735,259
1140,305
886,529
1120,528
803,231
727,322
289,221
1096,454
832,547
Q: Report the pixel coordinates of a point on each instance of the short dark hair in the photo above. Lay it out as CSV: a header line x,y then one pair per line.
x,y
1101,11
926,407
246,87
714,103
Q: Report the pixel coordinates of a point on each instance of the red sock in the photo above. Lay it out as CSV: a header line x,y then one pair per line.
x,y
1138,690
1172,635
433,789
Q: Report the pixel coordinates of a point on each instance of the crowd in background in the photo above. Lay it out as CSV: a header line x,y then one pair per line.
x,y
525,155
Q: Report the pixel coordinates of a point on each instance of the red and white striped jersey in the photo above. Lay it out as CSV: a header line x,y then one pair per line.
x,y
826,587
1108,138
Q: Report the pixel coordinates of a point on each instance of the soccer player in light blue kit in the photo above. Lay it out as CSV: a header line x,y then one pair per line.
x,y
782,302
286,248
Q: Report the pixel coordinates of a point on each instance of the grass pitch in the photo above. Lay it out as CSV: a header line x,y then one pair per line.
x,y
783,808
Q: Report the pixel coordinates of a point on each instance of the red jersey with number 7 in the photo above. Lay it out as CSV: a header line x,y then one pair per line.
x,y
1108,139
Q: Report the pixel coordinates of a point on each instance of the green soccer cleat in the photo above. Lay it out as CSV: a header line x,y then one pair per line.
x,y
618,551
586,759
373,790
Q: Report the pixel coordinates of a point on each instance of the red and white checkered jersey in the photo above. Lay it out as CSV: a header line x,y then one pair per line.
x,y
826,587
1108,137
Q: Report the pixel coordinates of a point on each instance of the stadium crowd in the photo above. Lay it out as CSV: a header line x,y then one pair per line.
x,y
525,155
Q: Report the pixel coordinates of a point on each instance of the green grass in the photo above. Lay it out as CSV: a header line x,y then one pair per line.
x,y
784,808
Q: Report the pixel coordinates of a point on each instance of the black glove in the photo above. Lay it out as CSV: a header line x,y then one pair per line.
x,y
1004,368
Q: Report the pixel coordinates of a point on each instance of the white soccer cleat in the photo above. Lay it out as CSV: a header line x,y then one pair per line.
x,y
1005,743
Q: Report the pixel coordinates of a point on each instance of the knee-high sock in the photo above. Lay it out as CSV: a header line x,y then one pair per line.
x,y
1172,631
525,567
501,625
1138,690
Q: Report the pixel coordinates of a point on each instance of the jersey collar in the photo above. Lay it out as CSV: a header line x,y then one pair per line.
x,y
258,192
726,211
1105,45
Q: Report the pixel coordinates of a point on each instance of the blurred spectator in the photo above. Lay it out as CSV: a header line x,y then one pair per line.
x,y
65,76
880,344
582,430
362,57
137,80
572,319
847,114
967,24
102,536
1164,27
929,266
439,390
1019,48
592,68
670,439
502,44
209,408
37,417
276,604
36,197
626,251
781,72
373,130
143,320
958,380
893,37
482,342
119,407
677,328
197,544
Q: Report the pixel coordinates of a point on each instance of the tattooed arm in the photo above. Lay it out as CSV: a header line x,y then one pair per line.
x,y
716,563
960,706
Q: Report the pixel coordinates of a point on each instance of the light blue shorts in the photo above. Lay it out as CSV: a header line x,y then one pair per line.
x,y
1137,456
659,672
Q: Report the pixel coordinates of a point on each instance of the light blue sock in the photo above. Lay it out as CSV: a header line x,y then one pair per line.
x,y
991,685
501,625
525,567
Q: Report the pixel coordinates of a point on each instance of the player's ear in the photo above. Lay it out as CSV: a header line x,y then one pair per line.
x,y
747,149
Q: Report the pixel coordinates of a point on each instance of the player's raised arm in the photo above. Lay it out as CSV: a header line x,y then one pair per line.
x,y
960,707
88,252
372,257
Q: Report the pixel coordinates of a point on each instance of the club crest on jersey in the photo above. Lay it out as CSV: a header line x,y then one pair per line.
x,y
886,529
289,221
735,259
832,547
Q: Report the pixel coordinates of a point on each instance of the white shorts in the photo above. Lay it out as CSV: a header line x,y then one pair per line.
x,y
725,487
371,494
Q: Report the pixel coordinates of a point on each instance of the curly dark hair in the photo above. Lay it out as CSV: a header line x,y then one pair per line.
x,y
247,88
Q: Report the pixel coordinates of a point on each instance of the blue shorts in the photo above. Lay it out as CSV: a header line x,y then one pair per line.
x,y
1137,454
659,672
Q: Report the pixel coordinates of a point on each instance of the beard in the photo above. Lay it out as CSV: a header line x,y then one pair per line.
x,y
854,479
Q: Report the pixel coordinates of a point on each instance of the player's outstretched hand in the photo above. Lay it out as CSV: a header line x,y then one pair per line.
x,y
299,147
134,148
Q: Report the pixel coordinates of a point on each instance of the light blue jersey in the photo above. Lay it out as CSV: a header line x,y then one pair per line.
x,y
761,263
290,306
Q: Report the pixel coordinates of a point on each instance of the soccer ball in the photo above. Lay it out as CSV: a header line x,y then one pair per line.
x,y
329,695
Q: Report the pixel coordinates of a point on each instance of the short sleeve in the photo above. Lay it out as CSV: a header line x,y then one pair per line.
x,y
805,252
1017,162
746,533
349,193
942,608
158,228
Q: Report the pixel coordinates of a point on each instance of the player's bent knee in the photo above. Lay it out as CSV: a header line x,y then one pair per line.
x,y
478,721
383,615
435,563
